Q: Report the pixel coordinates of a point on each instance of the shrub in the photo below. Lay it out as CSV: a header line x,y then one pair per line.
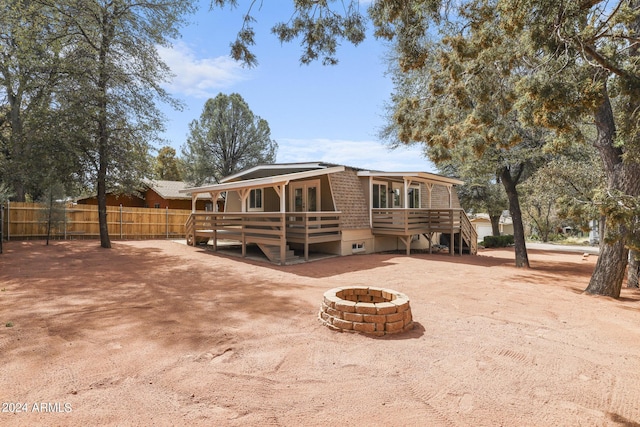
x,y
497,241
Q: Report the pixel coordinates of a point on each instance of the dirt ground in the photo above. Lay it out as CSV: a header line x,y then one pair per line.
x,y
159,333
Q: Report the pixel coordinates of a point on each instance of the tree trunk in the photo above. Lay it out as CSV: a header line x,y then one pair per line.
x,y
634,256
105,241
621,176
1,224
495,224
103,134
17,144
510,183
634,268
610,269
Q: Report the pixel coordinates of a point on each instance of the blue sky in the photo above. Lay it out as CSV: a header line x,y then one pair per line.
x,y
315,112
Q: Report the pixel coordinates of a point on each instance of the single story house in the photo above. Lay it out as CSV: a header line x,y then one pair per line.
x,y
156,194
334,209
482,225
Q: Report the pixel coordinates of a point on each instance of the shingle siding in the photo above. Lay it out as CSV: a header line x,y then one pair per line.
x,y
440,198
350,199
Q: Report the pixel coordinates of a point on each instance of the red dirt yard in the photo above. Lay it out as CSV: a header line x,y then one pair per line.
x,y
159,333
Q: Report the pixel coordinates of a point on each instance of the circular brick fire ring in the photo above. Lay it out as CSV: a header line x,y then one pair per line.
x,y
367,310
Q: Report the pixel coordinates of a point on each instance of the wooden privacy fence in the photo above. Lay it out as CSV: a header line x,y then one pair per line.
x,y
29,221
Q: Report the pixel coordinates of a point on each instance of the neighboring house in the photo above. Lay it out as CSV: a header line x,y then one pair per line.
x,y
156,194
334,209
482,225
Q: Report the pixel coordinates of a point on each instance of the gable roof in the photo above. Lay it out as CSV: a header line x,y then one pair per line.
x,y
267,170
278,173
167,189
264,181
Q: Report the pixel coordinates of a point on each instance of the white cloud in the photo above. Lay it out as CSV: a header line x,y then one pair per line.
x,y
199,77
362,154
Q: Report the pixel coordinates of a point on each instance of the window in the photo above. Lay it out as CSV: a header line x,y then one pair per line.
x,y
379,195
255,200
156,205
397,200
414,197
357,247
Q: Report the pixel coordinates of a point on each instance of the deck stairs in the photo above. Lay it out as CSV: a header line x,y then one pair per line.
x,y
272,252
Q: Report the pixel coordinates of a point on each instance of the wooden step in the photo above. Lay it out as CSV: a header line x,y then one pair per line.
x,y
272,252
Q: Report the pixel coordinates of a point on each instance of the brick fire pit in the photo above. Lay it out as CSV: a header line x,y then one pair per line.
x,y
367,310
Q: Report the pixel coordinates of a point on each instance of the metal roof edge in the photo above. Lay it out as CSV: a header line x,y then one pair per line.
x,y
262,182
423,175
272,166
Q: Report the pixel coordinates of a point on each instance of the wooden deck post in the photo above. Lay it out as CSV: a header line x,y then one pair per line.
x,y
283,239
407,243
452,236
306,238
244,243
214,224
281,192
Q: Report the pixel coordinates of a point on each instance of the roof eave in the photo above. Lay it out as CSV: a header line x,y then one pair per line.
x,y
235,176
262,182
422,175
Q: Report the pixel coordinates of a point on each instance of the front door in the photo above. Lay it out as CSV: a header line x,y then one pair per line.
x,y
305,196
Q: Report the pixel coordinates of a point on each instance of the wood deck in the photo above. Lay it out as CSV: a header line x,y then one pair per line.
x,y
269,229
405,223
277,230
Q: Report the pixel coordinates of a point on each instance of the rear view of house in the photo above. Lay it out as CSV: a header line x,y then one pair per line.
x,y
334,209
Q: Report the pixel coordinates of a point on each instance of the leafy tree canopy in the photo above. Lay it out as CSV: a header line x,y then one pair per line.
x,y
167,166
113,80
226,139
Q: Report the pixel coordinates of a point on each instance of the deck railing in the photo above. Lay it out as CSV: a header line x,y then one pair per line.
x,y
313,227
280,229
268,228
257,226
405,222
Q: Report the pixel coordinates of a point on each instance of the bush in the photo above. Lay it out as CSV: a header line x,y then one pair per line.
x,y
497,241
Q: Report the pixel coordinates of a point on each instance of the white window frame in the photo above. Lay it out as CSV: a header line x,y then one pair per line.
x,y
304,186
411,194
396,197
380,184
252,198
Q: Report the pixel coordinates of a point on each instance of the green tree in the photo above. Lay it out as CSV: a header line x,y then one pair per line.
x,y
570,59
588,68
563,191
320,25
539,198
114,78
166,165
53,214
29,65
482,191
461,106
226,139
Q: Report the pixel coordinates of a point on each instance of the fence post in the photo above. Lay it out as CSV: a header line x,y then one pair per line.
x,y
167,221
120,221
65,221
8,220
